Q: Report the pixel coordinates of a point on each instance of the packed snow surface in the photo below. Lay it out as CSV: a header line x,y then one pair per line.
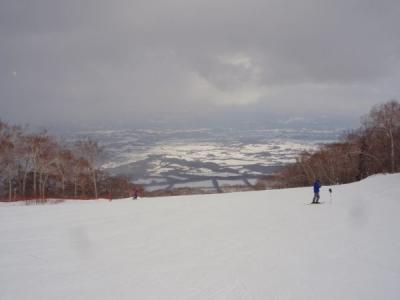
x,y
252,245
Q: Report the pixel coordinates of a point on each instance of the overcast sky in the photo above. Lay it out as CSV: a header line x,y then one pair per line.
x,y
115,62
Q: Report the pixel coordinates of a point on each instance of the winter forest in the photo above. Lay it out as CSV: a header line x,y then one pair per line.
x,y
37,166
371,149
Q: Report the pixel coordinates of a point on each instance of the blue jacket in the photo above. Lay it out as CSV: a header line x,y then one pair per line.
x,y
317,186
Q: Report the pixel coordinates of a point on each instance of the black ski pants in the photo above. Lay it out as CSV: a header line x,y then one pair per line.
x,y
316,198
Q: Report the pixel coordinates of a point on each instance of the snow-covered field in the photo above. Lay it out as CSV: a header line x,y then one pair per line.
x,y
169,159
253,245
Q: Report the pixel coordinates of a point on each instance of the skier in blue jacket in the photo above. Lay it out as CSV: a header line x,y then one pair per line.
x,y
317,186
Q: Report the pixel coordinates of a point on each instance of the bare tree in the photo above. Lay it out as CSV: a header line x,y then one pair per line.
x,y
64,165
90,151
386,118
9,138
25,162
36,144
46,163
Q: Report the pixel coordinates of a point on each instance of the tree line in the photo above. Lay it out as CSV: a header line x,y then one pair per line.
x,y
371,149
37,166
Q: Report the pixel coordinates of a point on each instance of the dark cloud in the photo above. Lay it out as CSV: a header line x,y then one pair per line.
x,y
119,61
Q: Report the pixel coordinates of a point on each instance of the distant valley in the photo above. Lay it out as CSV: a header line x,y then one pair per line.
x,y
211,159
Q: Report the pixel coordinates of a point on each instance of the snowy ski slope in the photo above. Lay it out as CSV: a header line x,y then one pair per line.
x,y
252,245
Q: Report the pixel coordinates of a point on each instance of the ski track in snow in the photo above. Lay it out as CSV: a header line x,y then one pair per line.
x,y
253,245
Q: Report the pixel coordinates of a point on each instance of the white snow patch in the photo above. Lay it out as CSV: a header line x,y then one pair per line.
x,y
252,181
195,184
230,182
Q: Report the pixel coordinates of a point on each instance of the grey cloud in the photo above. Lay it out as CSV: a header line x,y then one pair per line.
x,y
108,61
